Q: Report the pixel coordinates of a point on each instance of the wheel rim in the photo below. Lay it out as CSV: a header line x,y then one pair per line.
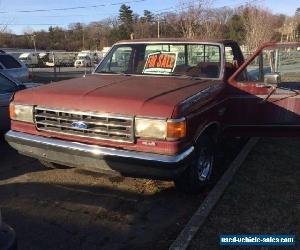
x,y
204,164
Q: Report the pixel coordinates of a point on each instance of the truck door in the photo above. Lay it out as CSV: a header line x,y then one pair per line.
x,y
263,94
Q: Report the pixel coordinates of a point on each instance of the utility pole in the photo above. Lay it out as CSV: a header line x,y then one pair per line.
x,y
33,40
158,26
82,37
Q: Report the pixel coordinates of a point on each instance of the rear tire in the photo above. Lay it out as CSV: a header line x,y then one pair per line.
x,y
198,173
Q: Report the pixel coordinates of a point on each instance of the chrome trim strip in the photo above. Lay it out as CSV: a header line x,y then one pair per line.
x,y
83,136
263,126
167,42
87,122
182,119
76,112
91,150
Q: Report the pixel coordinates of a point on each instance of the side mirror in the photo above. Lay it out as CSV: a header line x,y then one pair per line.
x,y
272,78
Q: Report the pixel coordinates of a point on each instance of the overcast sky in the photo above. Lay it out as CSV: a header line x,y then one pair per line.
x,y
22,21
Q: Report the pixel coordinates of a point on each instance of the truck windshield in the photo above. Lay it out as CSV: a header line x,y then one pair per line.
x,y
198,60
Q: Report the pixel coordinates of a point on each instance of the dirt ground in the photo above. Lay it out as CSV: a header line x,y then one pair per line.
x,y
264,197
73,209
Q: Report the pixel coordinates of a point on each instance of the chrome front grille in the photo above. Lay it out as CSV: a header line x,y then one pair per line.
x,y
85,124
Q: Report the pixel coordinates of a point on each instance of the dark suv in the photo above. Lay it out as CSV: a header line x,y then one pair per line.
x,y
14,67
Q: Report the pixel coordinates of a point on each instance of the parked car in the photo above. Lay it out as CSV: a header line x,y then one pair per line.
x,y
8,87
156,108
83,60
14,67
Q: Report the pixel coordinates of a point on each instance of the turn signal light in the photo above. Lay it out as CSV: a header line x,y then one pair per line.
x,y
176,129
11,110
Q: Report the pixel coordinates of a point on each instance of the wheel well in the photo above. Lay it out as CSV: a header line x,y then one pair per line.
x,y
211,130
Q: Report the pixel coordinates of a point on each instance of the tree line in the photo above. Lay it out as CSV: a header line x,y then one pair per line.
x,y
248,24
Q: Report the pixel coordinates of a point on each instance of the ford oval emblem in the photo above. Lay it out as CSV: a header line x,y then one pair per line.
x,y
80,125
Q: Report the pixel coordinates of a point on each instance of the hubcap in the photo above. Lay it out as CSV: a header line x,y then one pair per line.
x,y
204,164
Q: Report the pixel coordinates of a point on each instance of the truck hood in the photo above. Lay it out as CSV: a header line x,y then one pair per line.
x,y
128,95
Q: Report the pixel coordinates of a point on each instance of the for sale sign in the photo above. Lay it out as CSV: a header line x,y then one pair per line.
x,y
160,63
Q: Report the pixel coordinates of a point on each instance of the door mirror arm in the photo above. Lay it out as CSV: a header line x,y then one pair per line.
x,y
272,80
272,91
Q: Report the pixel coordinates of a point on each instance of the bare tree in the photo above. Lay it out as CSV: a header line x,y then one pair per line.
x,y
214,24
191,14
259,26
3,28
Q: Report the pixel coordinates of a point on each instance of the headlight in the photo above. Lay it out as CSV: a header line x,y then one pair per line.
x,y
160,129
21,112
150,128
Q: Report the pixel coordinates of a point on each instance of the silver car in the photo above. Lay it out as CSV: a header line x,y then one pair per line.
x,y
14,67
8,86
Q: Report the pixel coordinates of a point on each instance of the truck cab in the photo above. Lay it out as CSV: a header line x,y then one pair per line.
x,y
156,108
31,59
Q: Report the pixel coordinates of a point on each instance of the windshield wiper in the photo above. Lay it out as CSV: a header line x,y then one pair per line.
x,y
113,72
106,72
178,74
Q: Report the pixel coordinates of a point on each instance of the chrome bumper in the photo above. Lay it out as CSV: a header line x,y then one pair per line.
x,y
97,158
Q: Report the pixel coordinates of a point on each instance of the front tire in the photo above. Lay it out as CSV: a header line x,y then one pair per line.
x,y
198,173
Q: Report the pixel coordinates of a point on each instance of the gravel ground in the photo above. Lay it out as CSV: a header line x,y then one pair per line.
x,y
73,209
263,198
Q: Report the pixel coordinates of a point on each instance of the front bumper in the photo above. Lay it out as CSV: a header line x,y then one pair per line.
x,y
100,159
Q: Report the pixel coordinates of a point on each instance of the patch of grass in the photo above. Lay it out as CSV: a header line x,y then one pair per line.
x,y
264,197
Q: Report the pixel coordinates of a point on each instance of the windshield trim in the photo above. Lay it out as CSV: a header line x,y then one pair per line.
x,y
220,45
156,75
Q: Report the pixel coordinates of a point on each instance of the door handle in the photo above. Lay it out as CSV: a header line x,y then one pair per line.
x,y
221,111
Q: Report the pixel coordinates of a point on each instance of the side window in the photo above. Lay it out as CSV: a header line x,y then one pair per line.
x,y
6,85
195,54
9,62
204,60
229,57
254,72
284,61
230,62
119,61
203,54
212,54
287,64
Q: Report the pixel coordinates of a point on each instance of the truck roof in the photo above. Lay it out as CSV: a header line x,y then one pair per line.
x,y
175,40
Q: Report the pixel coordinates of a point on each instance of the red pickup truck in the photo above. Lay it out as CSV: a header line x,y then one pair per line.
x,y
156,108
